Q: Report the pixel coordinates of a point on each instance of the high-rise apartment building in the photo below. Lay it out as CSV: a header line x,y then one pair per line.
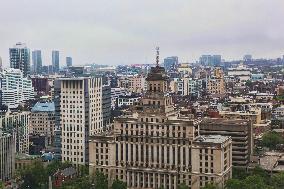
x,y
37,62
239,130
81,116
20,58
153,147
55,61
69,61
42,120
15,88
7,156
17,124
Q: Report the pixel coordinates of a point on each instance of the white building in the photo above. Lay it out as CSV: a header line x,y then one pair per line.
x,y
15,88
81,116
241,72
115,93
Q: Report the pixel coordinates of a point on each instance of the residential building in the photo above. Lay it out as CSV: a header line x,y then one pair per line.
x,y
127,100
15,88
216,83
17,124
55,61
41,85
20,58
80,116
247,58
239,130
37,62
253,115
69,61
7,156
151,146
212,160
115,93
57,143
42,121
240,73
184,70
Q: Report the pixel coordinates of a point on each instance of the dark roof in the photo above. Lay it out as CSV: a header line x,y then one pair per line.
x,y
157,73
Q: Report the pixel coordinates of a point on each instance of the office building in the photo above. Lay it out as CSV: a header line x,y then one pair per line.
x,y
55,61
211,158
15,88
41,85
37,62
20,58
171,63
17,124
151,147
239,130
42,120
7,156
80,116
57,116
210,60
69,61
247,58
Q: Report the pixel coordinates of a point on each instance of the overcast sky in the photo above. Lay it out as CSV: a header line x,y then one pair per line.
x,y
127,31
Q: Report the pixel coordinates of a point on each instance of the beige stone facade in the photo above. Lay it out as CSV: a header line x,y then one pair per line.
x,y
152,146
216,82
81,116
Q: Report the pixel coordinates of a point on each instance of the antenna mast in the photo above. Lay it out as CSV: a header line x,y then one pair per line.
x,y
157,56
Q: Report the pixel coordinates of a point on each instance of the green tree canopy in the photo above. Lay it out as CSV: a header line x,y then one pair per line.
x,y
234,184
118,184
271,139
101,181
210,186
182,186
277,180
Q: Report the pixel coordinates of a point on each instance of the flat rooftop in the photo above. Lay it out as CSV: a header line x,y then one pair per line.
x,y
217,139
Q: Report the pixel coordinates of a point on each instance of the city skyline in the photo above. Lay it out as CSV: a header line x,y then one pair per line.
x,y
125,32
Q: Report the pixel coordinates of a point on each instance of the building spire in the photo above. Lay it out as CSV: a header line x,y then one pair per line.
x,y
157,56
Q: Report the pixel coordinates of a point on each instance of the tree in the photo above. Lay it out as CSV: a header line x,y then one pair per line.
x,y
182,186
118,184
239,173
277,180
254,182
271,139
210,186
1,185
234,184
101,181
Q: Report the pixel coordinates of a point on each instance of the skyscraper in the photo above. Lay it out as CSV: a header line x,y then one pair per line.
x,y
20,58
55,61
37,61
170,63
210,60
68,61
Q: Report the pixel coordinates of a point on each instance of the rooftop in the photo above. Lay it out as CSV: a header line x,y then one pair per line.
x,y
217,139
43,107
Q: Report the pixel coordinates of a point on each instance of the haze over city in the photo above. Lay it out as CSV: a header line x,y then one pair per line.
x,y
125,32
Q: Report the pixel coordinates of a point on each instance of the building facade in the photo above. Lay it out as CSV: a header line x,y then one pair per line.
x,y
106,105
80,116
216,82
7,156
69,61
241,133
42,120
17,124
151,147
55,61
20,58
15,88
37,62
